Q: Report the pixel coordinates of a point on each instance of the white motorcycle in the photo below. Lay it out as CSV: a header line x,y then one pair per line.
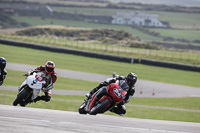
x,y
29,89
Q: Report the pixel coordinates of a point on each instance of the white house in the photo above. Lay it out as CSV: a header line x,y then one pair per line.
x,y
137,18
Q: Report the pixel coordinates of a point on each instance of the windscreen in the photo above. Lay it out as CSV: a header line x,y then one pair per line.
x,y
123,85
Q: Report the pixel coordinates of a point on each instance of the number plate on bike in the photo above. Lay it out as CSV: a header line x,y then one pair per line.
x,y
39,78
117,92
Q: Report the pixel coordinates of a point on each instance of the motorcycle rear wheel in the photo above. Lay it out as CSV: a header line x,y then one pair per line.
x,y
21,95
99,108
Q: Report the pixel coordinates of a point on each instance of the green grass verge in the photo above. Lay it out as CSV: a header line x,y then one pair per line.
x,y
158,114
185,103
72,103
93,65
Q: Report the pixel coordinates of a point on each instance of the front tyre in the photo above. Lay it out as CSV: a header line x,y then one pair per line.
x,y
21,95
100,108
81,109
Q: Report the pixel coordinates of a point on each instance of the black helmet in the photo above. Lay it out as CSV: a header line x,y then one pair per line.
x,y
2,62
131,79
49,67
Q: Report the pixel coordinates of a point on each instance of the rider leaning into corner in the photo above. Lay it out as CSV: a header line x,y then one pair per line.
x,y
50,76
120,109
3,72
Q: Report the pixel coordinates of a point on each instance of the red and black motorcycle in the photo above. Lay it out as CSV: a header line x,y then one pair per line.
x,y
105,98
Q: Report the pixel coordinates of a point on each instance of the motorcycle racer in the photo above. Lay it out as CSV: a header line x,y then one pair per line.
x,y
3,72
130,79
49,76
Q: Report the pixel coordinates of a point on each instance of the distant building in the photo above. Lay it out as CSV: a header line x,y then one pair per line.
x,y
137,18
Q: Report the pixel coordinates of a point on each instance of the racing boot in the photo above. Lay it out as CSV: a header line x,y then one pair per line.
x,y
37,99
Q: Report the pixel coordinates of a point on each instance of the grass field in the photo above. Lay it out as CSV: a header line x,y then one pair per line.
x,y
190,35
180,20
93,65
66,2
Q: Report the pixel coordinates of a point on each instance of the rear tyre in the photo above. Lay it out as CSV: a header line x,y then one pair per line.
x,y
21,95
81,109
100,108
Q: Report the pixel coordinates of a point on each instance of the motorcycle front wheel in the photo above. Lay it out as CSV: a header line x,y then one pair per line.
x,y
100,108
81,109
21,95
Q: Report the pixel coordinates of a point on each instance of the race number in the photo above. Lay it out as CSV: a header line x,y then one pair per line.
x,y
39,78
117,92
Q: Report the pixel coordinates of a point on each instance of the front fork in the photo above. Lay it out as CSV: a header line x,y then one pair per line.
x,y
97,96
27,98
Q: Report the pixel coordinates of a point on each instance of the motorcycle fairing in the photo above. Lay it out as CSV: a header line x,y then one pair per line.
x,y
115,91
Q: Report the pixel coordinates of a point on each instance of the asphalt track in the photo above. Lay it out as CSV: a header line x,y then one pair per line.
x,y
34,120
144,88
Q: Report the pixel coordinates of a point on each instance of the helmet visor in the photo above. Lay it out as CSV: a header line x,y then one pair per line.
x,y
49,70
131,83
2,64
